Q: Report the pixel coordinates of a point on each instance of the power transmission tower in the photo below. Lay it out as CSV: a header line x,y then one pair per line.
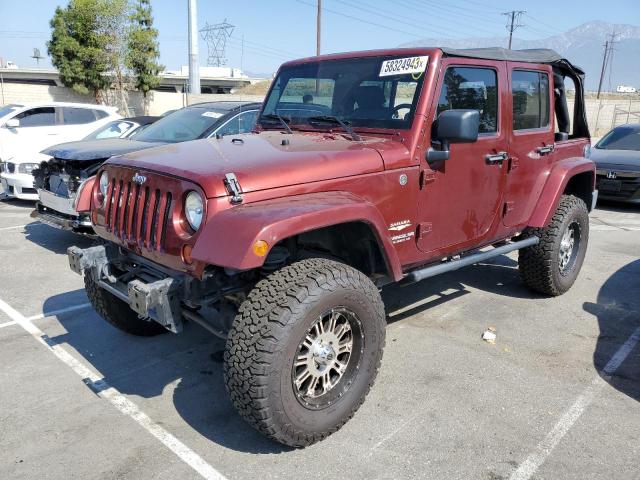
x,y
606,59
512,24
37,56
216,37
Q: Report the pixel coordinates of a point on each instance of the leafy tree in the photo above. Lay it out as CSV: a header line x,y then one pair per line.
x,y
143,50
82,44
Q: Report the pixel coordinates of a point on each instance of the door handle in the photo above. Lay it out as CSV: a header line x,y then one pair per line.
x,y
546,149
494,158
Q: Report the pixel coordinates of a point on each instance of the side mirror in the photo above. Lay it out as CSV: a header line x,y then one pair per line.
x,y
12,123
454,126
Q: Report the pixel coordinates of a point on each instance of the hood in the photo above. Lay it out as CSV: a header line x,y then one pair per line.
x,y
620,159
261,161
87,150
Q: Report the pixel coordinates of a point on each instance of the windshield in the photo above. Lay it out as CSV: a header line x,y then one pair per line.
x,y
371,92
7,109
115,129
621,138
182,125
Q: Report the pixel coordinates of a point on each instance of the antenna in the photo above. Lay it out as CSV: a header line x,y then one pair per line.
x,y
216,37
37,56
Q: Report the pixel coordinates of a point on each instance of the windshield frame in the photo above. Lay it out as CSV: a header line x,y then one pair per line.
x,y
299,123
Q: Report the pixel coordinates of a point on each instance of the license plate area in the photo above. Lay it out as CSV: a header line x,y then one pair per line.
x,y
610,185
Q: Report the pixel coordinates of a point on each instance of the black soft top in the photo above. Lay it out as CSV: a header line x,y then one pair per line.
x,y
531,55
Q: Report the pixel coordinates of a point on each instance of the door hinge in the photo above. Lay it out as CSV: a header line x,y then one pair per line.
x,y
233,187
426,178
508,207
423,229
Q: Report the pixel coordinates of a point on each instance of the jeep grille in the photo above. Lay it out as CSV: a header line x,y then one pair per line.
x,y
137,213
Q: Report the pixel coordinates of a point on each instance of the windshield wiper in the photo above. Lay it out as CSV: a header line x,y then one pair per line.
x,y
275,116
335,120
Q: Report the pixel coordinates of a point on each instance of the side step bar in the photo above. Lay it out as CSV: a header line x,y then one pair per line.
x,y
434,270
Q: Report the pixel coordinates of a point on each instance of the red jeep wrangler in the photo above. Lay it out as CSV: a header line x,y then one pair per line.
x,y
365,168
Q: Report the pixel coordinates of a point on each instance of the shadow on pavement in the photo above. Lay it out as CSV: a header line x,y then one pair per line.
x,y
54,239
190,364
614,206
618,313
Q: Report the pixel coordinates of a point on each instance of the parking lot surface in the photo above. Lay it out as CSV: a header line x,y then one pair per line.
x,y
557,395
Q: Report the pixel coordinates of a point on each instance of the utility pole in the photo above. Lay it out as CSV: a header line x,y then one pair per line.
x,y
512,23
318,27
606,59
194,67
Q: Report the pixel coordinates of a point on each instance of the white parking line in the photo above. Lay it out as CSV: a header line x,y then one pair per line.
x,y
528,468
7,324
107,392
61,311
15,227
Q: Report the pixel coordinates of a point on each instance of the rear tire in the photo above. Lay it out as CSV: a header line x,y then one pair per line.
x,y
304,350
117,313
552,266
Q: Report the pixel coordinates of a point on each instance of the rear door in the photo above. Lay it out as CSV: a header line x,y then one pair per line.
x,y
531,139
461,198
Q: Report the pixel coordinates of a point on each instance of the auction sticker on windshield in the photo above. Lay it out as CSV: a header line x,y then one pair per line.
x,y
403,66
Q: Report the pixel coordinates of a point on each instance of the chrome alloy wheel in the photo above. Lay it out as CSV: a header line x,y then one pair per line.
x,y
569,246
328,358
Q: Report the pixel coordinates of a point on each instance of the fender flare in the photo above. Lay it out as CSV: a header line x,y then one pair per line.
x,y
228,236
83,196
559,176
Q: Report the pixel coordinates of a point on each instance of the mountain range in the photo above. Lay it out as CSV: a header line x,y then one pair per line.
x,y
582,45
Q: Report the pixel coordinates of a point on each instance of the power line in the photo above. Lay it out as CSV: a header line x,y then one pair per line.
x,y
512,24
358,19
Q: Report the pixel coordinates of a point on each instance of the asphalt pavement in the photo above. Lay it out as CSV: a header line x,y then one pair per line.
x,y
557,395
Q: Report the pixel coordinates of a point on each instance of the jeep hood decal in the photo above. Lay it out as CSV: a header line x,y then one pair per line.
x,y
262,161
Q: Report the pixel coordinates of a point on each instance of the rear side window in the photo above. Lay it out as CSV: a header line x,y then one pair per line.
x,y
37,117
78,116
472,88
530,92
100,114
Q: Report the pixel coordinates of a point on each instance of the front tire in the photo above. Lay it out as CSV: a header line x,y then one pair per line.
x,y
304,350
552,266
117,313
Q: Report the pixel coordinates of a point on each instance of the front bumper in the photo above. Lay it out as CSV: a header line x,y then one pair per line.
x,y
75,223
18,185
157,297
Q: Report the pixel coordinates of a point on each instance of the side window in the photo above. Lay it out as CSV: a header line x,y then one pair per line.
x,y
37,117
77,116
242,123
100,114
530,92
472,88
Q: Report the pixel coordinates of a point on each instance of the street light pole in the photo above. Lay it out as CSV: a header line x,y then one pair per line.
x,y
194,68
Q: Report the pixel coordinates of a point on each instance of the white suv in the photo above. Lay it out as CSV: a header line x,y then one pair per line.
x,y
26,129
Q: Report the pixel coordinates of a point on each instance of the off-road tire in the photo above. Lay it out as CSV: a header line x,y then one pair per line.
x,y
118,313
264,338
539,265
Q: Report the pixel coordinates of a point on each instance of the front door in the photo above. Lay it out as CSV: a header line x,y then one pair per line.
x,y
461,198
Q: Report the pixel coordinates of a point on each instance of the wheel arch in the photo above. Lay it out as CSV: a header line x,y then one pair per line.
x,y
312,217
572,176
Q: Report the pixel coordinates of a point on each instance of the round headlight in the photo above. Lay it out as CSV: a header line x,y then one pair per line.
x,y
104,183
194,209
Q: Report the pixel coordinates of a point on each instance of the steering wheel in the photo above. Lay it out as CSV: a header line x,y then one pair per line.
x,y
396,110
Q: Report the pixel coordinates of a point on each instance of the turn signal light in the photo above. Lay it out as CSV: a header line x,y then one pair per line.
x,y
186,254
261,248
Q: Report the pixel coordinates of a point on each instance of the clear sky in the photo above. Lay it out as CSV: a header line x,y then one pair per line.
x,y
278,30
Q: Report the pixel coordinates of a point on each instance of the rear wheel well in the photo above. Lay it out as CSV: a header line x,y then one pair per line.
x,y
352,243
581,186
